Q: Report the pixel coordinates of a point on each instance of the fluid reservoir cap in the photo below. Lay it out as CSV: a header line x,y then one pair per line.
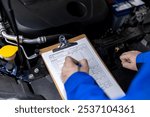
x,y
8,52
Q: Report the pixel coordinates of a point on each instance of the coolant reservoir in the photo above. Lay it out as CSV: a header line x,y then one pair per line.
x,y
8,52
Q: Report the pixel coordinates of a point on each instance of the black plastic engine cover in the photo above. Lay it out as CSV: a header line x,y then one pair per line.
x,y
38,17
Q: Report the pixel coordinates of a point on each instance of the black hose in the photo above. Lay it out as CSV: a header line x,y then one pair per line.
x,y
14,26
54,37
45,39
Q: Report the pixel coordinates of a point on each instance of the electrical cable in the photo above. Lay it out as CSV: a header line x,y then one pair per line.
x,y
14,27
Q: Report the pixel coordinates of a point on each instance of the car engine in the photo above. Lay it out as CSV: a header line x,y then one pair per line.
x,y
112,26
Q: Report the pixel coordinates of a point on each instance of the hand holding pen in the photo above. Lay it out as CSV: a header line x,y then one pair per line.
x,y
71,66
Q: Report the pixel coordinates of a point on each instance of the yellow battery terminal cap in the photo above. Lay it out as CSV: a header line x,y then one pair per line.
x,y
8,51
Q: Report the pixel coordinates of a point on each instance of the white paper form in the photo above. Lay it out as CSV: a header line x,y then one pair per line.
x,y
83,50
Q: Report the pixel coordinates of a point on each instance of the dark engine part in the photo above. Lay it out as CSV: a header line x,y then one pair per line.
x,y
41,17
37,18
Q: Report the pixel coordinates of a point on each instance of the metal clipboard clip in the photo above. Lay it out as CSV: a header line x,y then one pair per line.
x,y
64,43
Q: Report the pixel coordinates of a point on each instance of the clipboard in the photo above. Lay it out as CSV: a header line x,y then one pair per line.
x,y
53,47
79,48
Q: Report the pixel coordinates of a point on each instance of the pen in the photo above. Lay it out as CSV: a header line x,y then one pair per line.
x,y
77,62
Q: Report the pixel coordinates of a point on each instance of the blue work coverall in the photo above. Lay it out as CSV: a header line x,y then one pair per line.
x,y
81,86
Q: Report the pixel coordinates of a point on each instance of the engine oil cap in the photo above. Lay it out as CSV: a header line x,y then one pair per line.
x,y
8,52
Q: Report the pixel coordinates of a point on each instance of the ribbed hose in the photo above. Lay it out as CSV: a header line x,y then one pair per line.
x,y
38,40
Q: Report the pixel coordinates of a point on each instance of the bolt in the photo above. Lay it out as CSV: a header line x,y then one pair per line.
x,y
36,70
31,76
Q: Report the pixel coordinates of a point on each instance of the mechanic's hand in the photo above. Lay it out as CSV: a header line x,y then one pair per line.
x,y
128,60
70,67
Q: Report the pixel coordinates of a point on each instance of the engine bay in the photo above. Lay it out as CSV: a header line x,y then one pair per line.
x,y
112,26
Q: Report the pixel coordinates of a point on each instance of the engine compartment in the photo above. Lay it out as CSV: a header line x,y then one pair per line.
x,y
37,18
119,27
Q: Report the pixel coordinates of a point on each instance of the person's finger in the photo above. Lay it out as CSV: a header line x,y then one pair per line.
x,y
84,65
126,65
69,67
130,66
125,53
128,53
68,61
124,57
128,60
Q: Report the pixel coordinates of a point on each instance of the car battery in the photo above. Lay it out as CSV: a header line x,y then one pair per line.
x,y
122,11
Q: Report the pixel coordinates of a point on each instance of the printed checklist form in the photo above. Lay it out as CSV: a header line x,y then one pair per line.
x,y
83,50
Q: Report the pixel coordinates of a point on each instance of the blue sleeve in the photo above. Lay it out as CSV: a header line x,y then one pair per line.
x,y
143,57
81,86
140,86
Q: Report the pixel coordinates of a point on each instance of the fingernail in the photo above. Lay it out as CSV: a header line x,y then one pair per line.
x,y
68,57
